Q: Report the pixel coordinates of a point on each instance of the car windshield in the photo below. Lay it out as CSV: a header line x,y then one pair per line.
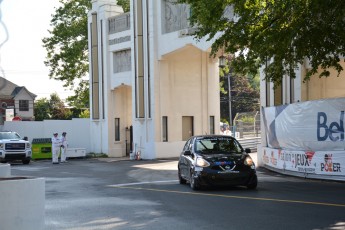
x,y
217,145
9,135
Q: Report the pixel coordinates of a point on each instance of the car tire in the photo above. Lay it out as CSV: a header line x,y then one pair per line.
x,y
26,161
181,180
193,182
253,183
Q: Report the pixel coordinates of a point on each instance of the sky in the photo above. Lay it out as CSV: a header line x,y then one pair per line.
x,y
22,56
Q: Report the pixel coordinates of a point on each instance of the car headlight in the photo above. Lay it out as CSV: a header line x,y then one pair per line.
x,y
28,145
201,162
1,145
248,161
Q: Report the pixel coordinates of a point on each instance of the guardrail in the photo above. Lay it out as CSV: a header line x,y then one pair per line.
x,y
250,143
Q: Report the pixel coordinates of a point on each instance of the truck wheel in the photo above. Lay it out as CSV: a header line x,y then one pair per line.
x,y
26,161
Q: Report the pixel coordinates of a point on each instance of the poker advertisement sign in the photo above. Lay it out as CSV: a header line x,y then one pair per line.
x,y
330,163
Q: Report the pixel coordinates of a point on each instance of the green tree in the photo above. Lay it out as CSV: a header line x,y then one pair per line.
x,y
67,48
52,108
58,111
125,4
85,114
275,34
245,96
41,109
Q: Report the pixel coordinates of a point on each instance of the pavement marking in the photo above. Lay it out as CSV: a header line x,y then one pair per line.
x,y
139,183
229,196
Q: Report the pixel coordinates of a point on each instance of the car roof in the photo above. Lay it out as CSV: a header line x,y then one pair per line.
x,y
212,136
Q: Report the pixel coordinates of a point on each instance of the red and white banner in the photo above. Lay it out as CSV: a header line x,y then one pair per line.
x,y
319,162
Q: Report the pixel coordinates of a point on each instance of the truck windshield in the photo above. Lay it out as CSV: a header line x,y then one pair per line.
x,y
9,135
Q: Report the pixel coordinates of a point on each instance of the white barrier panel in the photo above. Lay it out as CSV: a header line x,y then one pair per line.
x,y
23,205
76,152
5,170
324,163
316,125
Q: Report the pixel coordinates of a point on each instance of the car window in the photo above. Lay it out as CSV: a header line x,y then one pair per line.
x,y
214,145
187,145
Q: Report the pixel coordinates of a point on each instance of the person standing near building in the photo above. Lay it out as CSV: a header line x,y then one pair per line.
x,y
56,143
64,145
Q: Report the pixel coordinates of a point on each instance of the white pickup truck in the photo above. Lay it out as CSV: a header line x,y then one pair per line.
x,y
13,147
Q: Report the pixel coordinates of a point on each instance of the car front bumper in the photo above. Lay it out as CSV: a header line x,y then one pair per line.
x,y
11,156
225,178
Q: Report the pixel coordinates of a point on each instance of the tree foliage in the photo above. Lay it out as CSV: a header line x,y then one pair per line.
x,y
41,109
125,4
54,109
275,34
245,93
67,48
58,111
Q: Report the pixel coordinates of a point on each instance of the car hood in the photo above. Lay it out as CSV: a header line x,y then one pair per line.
x,y
217,158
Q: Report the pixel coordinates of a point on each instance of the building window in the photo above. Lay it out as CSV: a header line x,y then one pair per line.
x,y
165,128
211,124
117,129
23,105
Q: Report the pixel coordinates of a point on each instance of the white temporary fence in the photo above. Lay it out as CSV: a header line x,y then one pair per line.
x,y
305,139
308,164
77,129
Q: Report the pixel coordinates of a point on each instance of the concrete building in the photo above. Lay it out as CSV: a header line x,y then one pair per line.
x,y
152,85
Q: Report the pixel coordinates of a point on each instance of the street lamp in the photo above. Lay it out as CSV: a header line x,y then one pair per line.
x,y
222,63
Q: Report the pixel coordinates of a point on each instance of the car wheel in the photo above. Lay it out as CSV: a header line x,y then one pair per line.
x,y
26,161
193,182
253,184
181,180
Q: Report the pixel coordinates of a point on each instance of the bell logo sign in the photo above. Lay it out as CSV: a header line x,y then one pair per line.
x,y
335,130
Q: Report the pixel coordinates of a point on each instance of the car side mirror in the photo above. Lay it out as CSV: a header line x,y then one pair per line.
x,y
187,153
247,150
25,138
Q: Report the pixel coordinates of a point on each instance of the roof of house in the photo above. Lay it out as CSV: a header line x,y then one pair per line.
x,y
9,90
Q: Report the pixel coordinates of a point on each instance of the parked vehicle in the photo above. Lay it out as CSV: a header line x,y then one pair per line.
x,y
216,160
13,147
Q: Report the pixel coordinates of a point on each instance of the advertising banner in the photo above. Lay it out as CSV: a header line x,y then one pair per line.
x,y
319,162
311,125
9,114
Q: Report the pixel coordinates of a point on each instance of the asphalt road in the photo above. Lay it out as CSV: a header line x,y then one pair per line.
x,y
90,194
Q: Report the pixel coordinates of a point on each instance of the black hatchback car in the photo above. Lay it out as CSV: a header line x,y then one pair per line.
x,y
216,160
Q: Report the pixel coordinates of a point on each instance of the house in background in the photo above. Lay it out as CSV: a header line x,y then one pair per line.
x,y
15,102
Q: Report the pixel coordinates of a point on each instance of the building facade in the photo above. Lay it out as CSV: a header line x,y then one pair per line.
x,y
152,86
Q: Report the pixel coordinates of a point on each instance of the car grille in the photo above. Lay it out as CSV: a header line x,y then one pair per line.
x,y
14,146
221,166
